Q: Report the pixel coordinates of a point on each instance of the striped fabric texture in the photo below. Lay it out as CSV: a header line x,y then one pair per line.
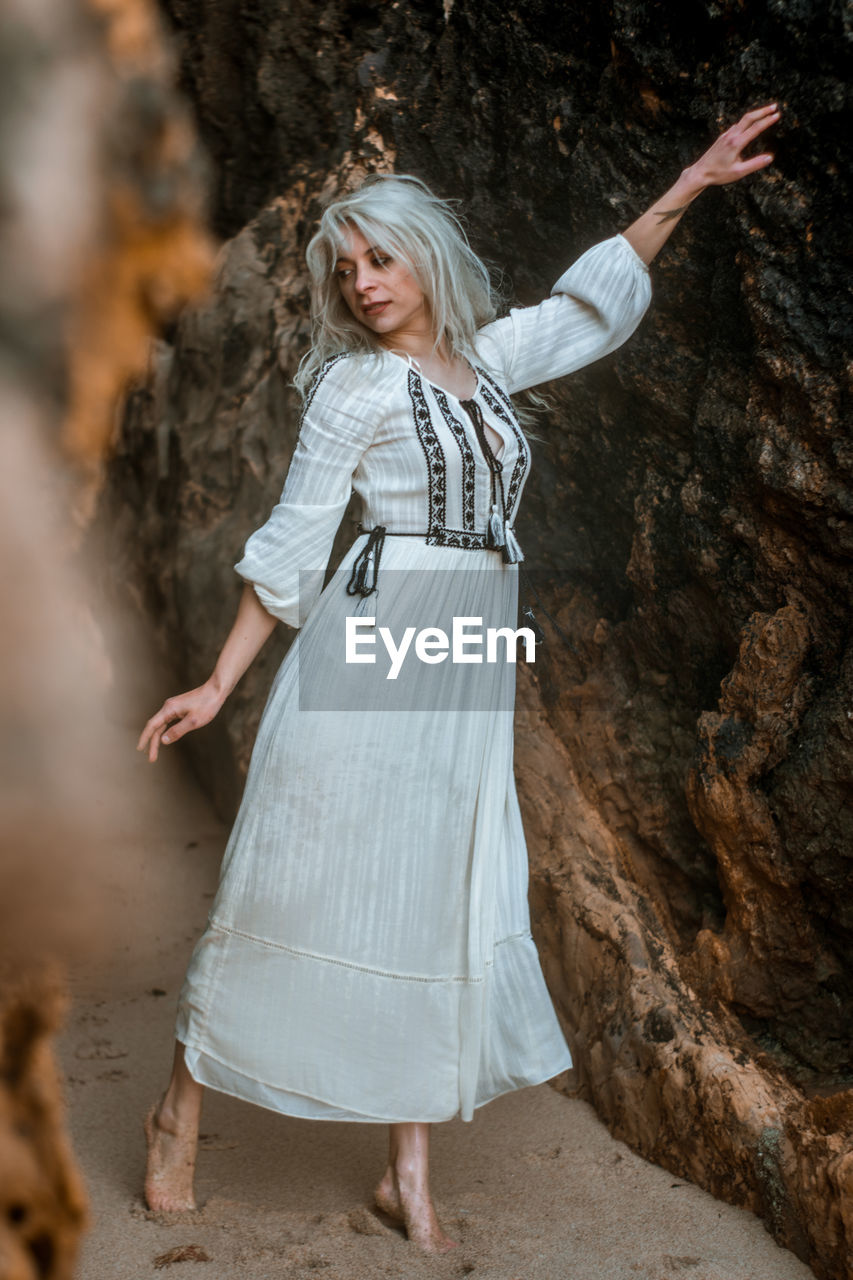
x,y
368,955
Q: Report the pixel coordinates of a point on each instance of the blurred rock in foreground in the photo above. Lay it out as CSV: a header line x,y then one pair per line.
x,y
90,125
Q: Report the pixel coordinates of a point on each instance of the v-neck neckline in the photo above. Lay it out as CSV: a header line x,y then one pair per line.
x,y
411,363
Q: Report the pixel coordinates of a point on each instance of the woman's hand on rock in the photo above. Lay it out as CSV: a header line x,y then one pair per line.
x,y
723,162
179,715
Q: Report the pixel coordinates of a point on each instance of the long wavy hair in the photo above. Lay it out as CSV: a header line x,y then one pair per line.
x,y
399,213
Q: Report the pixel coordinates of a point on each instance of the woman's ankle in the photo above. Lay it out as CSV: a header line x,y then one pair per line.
x,y
411,1174
176,1116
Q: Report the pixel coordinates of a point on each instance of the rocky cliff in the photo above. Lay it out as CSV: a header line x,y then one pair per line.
x,y
684,771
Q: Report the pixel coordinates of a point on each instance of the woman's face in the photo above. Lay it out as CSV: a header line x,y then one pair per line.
x,y
380,290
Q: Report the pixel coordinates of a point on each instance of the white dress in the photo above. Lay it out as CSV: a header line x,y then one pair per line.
x,y
368,954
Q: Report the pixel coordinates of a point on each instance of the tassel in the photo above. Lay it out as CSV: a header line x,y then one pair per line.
x,y
501,537
512,552
495,534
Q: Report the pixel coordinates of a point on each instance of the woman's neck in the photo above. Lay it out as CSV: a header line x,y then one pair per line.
x,y
452,373
417,344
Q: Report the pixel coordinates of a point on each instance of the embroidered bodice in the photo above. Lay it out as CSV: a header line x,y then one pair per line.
x,y
410,449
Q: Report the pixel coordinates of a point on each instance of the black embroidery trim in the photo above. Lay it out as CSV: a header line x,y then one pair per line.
x,y
463,538
469,465
498,389
321,373
438,535
436,468
524,456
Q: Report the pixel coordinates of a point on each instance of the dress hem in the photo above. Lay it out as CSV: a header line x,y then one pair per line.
x,y
347,1117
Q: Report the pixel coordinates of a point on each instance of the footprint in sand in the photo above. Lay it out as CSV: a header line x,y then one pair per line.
x,y
213,1142
99,1050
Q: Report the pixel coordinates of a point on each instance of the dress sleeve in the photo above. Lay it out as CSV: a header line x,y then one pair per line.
x,y
286,559
593,308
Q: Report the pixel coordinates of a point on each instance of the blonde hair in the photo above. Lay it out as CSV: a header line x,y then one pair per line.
x,y
398,213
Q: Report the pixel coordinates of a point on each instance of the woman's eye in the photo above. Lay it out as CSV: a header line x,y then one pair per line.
x,y
381,260
343,272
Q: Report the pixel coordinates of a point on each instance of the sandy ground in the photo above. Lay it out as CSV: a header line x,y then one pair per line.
x,y
535,1188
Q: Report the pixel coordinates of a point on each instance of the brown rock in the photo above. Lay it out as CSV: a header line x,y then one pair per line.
x,y
43,1202
82,258
684,775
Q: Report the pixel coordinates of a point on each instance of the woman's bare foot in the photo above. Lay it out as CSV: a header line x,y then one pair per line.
x,y
171,1162
405,1197
387,1197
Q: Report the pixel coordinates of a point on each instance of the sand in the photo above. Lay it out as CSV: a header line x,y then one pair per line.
x,y
534,1188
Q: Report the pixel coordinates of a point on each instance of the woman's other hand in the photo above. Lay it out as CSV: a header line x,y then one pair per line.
x,y
178,716
723,162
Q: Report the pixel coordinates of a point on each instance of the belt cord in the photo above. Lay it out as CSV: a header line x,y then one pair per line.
x,y
499,534
528,613
367,559
369,556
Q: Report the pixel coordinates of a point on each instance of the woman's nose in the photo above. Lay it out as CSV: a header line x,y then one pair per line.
x,y
365,279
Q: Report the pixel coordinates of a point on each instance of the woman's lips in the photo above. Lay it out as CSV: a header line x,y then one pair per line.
x,y
374,308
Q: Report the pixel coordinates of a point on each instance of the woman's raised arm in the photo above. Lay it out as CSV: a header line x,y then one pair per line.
x,y
252,627
721,163
598,303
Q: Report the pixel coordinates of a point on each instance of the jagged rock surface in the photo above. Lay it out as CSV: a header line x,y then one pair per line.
x,y
684,773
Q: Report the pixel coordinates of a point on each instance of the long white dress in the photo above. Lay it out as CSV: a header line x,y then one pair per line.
x,y
368,954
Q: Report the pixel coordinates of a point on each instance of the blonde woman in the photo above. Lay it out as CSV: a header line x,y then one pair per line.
x,y
368,955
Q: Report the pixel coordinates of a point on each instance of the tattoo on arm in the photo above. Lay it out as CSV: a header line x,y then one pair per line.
x,y
663,215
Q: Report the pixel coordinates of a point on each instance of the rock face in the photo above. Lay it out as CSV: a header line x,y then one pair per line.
x,y
684,772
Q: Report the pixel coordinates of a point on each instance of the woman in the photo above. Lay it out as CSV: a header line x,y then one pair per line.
x,y
368,956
